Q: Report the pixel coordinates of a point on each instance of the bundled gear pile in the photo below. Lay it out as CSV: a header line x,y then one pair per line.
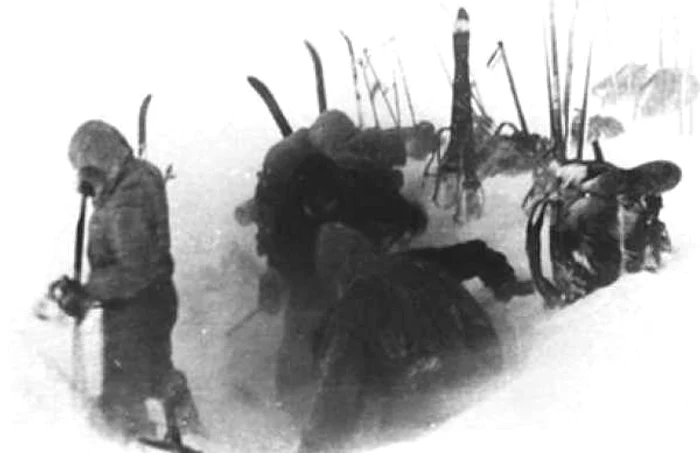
x,y
603,221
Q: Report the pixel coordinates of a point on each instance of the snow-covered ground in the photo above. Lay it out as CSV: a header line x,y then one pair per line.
x,y
614,371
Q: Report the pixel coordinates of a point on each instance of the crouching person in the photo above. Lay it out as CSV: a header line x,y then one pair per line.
x,y
131,272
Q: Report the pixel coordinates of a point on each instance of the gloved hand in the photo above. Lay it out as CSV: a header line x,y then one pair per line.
x,y
85,188
70,296
511,288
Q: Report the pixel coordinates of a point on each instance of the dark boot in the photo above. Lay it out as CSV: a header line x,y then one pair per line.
x,y
124,419
178,396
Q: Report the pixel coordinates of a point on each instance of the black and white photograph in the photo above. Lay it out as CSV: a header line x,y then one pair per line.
x,y
355,226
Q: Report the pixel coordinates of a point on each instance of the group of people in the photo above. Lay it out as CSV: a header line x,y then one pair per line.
x,y
359,312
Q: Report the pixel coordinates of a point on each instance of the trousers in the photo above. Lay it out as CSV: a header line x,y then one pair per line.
x,y
137,362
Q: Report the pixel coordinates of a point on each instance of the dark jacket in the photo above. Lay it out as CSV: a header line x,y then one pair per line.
x,y
129,233
129,242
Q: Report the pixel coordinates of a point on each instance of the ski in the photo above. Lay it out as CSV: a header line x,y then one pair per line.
x,y
379,87
556,85
397,104
460,154
501,51
461,145
568,76
272,105
584,107
550,96
320,84
167,445
407,92
356,85
370,93
143,112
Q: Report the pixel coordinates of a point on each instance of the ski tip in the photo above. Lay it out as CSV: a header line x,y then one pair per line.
x,y
462,24
146,101
255,82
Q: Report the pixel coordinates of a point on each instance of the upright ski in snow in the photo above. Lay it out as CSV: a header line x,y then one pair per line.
x,y
550,95
501,51
370,92
461,146
143,112
272,105
584,107
318,71
407,92
397,104
355,82
569,75
556,85
379,87
460,157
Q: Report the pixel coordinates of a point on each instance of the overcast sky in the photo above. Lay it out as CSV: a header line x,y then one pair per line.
x,y
69,61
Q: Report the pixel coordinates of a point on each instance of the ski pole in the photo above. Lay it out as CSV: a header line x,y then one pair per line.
x,y
243,321
379,84
77,353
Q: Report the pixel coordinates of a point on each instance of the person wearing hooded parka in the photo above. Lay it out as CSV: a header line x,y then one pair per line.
x,y
131,271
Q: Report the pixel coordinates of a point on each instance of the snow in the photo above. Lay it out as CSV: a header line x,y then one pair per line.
x,y
614,371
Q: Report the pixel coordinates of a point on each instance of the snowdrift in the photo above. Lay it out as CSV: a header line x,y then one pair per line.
x,y
613,370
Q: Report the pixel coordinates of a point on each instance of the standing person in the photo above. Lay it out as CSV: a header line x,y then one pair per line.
x,y
131,270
